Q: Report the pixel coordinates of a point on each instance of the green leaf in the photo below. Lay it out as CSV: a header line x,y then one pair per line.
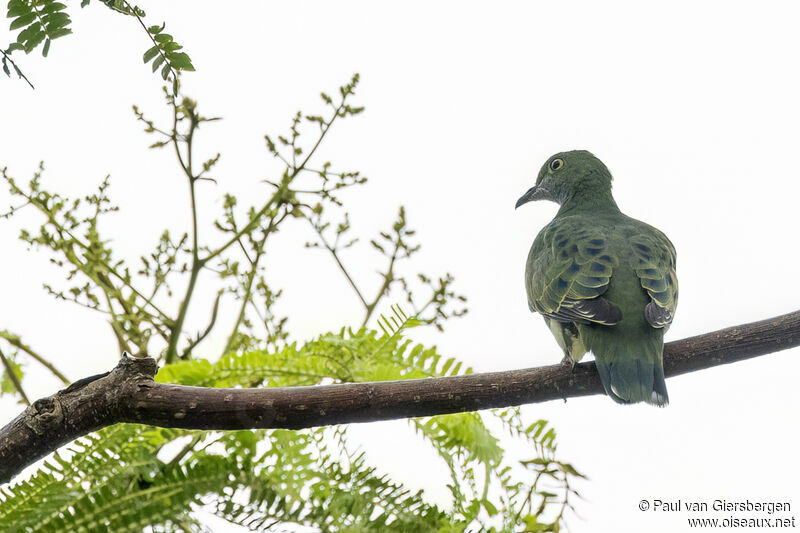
x,y
532,525
53,7
46,48
60,33
31,37
571,470
157,62
181,61
165,72
536,461
489,506
150,54
16,9
57,20
22,21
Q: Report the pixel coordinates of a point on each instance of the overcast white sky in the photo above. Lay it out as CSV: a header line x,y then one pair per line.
x,y
694,109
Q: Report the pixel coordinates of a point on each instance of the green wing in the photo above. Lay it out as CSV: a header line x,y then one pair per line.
x,y
654,259
568,272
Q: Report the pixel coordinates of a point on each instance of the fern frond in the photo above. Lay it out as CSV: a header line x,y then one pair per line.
x,y
115,480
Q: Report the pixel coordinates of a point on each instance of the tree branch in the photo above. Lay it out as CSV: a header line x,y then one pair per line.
x,y
129,394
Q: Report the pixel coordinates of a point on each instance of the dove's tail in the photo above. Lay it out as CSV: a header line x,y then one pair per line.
x,y
632,372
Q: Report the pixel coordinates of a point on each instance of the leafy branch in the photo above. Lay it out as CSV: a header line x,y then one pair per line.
x,y
8,61
41,21
71,233
282,472
257,353
165,54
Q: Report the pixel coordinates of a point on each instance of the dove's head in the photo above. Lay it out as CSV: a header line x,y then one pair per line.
x,y
569,175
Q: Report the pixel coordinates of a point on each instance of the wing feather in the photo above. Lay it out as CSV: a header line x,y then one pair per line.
x,y
653,258
568,272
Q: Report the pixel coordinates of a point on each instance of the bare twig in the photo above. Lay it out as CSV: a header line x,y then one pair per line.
x,y
332,249
208,329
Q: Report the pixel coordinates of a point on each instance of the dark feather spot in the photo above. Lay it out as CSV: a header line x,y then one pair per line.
x,y
600,310
597,267
562,243
596,242
573,268
594,251
641,247
657,316
561,284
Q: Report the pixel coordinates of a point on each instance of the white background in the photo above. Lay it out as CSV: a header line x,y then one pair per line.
x,y
694,109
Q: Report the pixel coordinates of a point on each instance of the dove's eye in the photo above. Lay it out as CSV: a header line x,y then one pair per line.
x,y
556,164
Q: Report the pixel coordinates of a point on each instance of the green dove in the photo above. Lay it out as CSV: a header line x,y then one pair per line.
x,y
604,282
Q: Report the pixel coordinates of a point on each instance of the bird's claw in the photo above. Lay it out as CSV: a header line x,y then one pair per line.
x,y
568,362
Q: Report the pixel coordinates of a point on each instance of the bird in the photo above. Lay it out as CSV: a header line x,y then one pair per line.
x,y
604,282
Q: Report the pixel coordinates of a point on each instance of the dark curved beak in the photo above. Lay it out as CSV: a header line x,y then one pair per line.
x,y
534,193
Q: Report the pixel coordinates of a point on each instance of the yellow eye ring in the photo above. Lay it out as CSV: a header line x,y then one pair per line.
x,y
556,164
